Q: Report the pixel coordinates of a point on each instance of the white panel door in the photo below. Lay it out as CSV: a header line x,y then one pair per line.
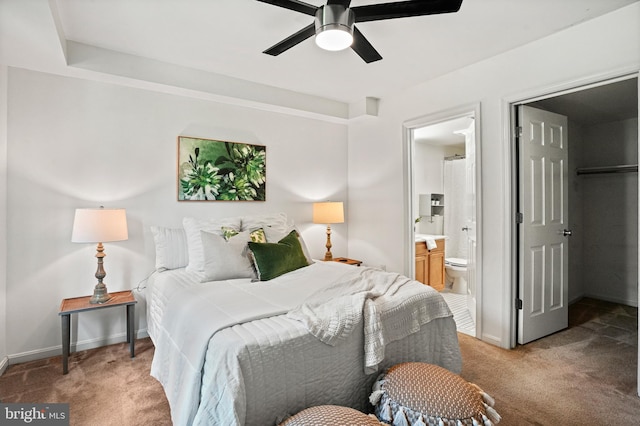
x,y
543,203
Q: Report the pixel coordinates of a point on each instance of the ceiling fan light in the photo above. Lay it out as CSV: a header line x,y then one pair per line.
x,y
334,39
334,27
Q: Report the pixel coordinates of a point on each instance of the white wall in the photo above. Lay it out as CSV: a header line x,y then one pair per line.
x,y
576,210
610,215
76,143
428,178
587,52
427,175
428,168
3,218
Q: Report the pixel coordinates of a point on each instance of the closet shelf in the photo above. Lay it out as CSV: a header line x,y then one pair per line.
x,y
626,168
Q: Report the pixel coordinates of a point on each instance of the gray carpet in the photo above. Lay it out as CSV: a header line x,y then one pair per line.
x,y
104,387
585,375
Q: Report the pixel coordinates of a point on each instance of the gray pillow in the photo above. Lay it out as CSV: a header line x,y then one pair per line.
x,y
226,259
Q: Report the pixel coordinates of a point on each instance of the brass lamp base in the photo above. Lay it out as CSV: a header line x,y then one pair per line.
x,y
328,256
100,294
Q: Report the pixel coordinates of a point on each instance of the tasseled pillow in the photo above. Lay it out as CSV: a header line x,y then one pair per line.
x,y
420,394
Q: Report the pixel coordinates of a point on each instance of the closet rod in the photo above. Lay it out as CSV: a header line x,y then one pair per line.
x,y
630,168
454,157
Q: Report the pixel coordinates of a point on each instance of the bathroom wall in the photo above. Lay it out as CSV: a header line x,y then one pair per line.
x,y
428,178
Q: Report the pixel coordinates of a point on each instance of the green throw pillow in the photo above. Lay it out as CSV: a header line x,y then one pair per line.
x,y
274,259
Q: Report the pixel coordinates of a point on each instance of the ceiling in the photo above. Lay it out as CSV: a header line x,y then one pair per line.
x,y
601,104
604,103
445,133
216,46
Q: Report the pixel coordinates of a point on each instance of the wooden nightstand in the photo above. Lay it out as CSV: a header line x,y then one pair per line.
x,y
347,261
81,304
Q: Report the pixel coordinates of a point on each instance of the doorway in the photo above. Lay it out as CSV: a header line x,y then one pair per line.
x,y
602,203
442,205
602,186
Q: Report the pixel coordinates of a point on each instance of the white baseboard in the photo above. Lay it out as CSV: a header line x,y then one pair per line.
x,y
492,340
75,347
4,363
608,298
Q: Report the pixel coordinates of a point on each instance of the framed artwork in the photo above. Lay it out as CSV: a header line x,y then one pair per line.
x,y
211,170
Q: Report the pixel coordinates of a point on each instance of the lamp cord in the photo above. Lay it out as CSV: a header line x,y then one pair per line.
x,y
140,285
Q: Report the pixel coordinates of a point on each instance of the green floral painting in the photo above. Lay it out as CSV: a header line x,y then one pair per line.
x,y
210,170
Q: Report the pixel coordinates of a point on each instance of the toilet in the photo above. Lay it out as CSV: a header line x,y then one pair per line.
x,y
456,272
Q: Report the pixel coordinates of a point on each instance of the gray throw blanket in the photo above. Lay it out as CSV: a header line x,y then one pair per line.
x,y
391,306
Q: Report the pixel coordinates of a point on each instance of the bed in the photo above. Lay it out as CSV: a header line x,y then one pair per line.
x,y
241,351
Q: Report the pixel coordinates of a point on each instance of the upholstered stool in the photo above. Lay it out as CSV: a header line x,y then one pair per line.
x,y
420,394
330,415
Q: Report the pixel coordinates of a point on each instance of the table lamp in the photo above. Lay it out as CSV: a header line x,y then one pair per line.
x,y
328,212
99,226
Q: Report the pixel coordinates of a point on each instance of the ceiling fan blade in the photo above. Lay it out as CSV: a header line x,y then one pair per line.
x,y
344,3
298,6
363,48
404,9
292,40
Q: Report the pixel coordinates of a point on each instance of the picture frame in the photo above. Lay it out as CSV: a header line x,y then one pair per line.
x,y
214,170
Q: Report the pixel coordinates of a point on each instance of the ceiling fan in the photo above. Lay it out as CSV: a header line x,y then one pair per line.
x,y
334,22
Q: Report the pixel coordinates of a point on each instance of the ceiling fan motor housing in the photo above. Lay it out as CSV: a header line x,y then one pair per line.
x,y
334,17
334,28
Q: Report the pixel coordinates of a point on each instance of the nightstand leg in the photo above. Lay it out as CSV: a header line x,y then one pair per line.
x,y
130,338
66,342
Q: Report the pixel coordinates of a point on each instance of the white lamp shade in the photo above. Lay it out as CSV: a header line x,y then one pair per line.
x,y
328,212
99,225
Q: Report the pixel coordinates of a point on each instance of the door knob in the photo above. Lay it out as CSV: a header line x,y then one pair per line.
x,y
466,228
566,232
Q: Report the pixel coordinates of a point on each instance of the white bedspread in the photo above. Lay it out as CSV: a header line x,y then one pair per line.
x,y
240,329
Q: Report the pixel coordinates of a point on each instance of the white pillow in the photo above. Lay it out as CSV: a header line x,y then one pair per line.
x,y
171,248
192,228
226,259
273,236
276,221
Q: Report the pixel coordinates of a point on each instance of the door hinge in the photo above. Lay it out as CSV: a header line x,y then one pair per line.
x,y
518,133
519,217
519,304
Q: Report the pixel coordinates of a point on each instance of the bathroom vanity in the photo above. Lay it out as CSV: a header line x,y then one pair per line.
x,y
430,263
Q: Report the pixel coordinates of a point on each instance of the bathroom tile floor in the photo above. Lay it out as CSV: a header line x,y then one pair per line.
x,y
461,315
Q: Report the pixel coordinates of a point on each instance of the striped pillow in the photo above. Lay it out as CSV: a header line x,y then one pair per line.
x,y
171,248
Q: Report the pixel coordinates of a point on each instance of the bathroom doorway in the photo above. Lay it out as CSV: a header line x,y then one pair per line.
x,y
443,206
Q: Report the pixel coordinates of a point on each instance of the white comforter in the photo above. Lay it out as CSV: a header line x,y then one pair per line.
x,y
226,323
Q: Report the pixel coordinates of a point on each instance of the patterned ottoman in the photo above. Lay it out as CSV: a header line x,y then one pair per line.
x,y
420,394
331,415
